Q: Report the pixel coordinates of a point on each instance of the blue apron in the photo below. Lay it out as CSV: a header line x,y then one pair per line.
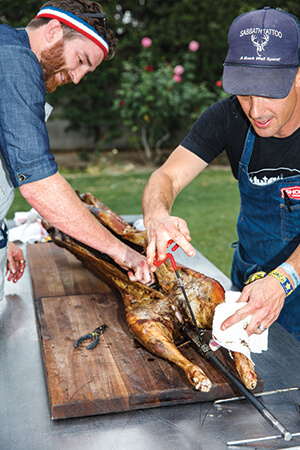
x,y
268,230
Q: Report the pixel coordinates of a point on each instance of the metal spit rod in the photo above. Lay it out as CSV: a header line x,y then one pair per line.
x,y
259,394
172,260
266,438
205,350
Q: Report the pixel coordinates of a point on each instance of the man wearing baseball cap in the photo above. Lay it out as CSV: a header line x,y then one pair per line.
x,y
259,127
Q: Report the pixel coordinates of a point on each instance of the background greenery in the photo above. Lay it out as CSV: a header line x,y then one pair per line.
x,y
170,24
209,205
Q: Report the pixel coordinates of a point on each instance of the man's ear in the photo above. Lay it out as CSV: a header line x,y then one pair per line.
x,y
53,32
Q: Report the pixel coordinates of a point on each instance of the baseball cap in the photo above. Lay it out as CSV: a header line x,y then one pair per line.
x,y
263,55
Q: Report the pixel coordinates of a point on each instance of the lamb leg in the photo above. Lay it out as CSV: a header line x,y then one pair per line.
x,y
245,369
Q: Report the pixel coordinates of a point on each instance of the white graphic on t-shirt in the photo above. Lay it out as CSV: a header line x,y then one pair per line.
x,y
260,179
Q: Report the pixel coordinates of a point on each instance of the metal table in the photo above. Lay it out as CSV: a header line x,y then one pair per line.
x,y
25,422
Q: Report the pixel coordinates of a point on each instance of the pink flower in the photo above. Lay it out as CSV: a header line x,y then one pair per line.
x,y
176,78
193,46
218,83
121,103
146,42
149,68
178,70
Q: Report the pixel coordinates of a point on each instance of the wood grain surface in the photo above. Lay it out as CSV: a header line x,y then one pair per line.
x,y
119,374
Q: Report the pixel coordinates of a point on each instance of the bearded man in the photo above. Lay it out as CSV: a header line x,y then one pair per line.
x,y
60,45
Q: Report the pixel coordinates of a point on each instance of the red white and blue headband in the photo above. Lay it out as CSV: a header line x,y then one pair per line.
x,y
76,23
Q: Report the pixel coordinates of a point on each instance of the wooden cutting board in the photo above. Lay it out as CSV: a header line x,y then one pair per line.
x,y
119,374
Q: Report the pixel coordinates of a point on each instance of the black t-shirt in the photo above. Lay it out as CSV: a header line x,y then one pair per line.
x,y
224,126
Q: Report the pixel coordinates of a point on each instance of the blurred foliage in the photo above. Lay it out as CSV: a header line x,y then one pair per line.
x,y
18,13
154,101
171,26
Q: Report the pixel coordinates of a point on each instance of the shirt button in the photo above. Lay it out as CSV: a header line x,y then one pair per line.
x,y
21,177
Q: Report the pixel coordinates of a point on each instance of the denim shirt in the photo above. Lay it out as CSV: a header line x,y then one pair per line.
x,y
24,142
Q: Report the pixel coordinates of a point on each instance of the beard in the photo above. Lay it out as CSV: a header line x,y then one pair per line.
x,y
52,62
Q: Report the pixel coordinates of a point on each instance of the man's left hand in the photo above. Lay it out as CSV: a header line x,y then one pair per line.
x,y
15,263
265,299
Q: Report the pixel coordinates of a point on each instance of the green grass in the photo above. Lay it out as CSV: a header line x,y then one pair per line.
x,y
209,204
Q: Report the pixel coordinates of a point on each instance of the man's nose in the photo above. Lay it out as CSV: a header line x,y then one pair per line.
x,y
257,107
77,75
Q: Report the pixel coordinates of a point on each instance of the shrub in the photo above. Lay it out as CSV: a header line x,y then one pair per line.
x,y
156,99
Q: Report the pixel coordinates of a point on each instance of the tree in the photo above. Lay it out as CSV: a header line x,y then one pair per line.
x,y
18,13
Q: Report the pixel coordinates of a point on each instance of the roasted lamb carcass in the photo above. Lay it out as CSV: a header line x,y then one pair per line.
x,y
154,315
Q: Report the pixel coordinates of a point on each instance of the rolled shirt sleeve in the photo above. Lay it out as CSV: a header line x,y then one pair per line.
x,y
24,138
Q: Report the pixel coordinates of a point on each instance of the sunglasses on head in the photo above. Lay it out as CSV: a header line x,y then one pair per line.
x,y
95,16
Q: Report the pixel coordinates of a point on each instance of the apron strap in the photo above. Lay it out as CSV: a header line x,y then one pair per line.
x,y
248,146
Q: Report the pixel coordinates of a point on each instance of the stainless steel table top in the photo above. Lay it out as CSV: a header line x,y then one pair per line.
x,y
25,421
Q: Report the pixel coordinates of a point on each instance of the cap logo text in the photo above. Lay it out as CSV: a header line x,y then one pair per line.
x,y
260,38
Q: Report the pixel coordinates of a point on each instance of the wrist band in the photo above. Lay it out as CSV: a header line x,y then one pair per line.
x,y
255,276
286,285
292,272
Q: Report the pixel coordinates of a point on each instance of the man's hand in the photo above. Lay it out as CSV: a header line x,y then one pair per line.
x,y
163,186
15,263
135,264
265,299
160,231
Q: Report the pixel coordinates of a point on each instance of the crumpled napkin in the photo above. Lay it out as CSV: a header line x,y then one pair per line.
x,y
236,338
28,228
139,225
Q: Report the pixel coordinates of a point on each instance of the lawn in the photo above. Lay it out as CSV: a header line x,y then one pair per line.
x,y
209,205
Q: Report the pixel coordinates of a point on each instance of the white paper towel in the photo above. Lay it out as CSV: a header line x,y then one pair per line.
x,y
28,228
235,338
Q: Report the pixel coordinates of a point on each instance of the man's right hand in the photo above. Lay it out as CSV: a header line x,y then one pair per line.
x,y
134,263
164,184
160,231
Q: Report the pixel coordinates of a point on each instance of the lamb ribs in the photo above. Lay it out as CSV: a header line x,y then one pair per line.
x,y
155,314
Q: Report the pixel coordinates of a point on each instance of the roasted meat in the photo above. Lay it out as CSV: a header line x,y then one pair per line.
x,y
154,314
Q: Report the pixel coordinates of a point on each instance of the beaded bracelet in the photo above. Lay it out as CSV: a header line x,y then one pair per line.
x,y
292,273
286,285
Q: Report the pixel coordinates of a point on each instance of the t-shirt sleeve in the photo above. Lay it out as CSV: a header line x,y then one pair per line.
x,y
24,138
208,136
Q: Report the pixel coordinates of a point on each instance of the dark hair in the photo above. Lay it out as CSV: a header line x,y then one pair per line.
x,y
78,7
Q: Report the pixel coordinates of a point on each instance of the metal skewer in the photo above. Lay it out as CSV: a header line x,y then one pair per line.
x,y
259,394
204,349
242,443
172,260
